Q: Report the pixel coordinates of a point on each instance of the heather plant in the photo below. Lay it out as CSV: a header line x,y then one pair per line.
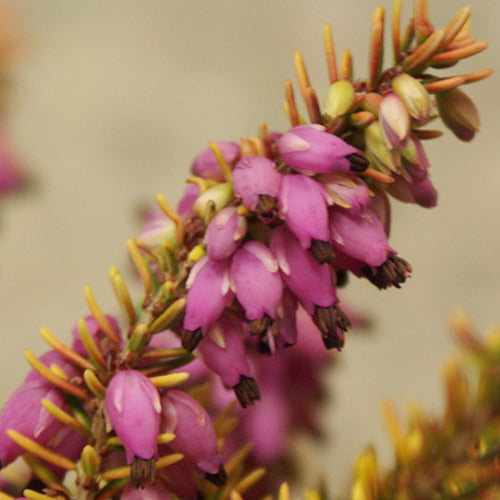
x,y
202,381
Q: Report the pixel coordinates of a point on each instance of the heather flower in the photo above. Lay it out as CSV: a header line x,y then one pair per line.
x,y
205,165
133,410
303,203
257,182
310,149
194,433
223,351
208,294
255,280
24,413
422,193
394,121
225,233
360,236
346,190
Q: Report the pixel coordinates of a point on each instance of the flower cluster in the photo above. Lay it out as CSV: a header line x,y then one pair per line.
x,y
235,282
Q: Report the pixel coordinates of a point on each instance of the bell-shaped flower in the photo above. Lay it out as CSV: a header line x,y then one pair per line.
x,y
310,281
195,435
205,165
208,295
132,406
149,492
359,236
95,332
346,190
24,413
223,351
255,280
257,182
303,203
459,113
422,193
225,233
311,150
394,121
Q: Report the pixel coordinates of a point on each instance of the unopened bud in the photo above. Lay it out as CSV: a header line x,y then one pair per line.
x,y
415,96
459,113
394,121
378,152
220,195
339,99
90,461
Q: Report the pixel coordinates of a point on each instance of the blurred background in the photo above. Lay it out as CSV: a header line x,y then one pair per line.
x,y
110,102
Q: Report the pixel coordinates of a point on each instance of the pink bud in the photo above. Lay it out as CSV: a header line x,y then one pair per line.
x,y
311,150
194,433
360,236
133,409
209,293
223,350
205,165
309,281
303,203
346,190
255,280
224,233
394,121
255,176
422,193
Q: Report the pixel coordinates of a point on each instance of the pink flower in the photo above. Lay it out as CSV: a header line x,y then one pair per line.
x,y
303,203
255,280
257,182
132,406
310,149
24,413
208,295
359,236
346,190
185,205
225,233
194,433
205,165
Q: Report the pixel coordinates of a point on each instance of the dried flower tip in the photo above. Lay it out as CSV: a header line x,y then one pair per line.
x,y
339,99
142,471
332,323
259,326
392,272
190,339
247,391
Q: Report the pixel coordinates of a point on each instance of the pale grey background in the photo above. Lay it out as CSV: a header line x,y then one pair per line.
x,y
114,99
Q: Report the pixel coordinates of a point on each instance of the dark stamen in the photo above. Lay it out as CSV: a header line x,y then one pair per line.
x,y
332,322
259,326
190,339
142,471
392,272
358,162
219,478
342,277
322,251
267,208
247,391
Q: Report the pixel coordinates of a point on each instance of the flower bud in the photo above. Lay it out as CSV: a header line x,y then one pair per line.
x,y
255,177
303,203
422,193
155,232
346,190
339,99
415,97
132,406
194,432
459,113
256,281
208,293
394,122
309,149
205,165
360,236
224,233
220,195
378,152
